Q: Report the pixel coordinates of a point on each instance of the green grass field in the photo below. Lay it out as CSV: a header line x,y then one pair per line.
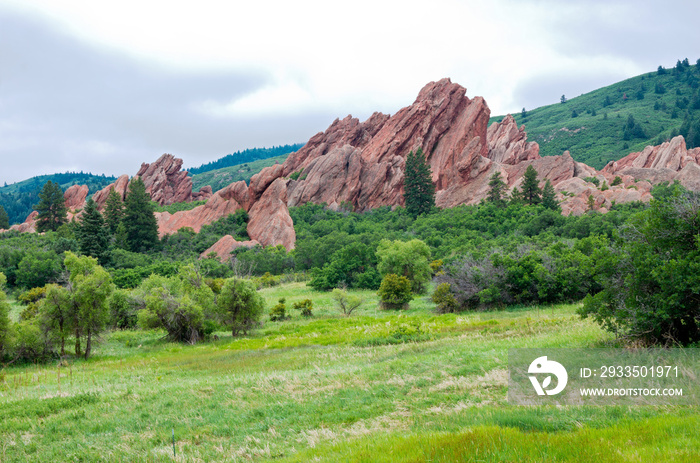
x,y
375,386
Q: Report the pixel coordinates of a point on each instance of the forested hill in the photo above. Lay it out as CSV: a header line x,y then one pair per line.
x,y
19,198
611,122
245,156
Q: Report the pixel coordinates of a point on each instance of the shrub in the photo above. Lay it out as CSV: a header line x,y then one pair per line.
x,y
616,181
347,303
408,258
444,299
650,279
306,306
395,292
593,180
279,312
240,306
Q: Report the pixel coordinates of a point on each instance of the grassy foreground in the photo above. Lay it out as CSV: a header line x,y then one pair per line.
x,y
376,386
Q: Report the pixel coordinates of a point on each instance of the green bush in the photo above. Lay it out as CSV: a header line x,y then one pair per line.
x,y
395,292
278,313
240,306
616,181
651,278
444,300
306,307
123,310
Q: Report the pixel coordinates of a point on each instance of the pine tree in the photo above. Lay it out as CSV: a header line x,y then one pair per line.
x,y
497,190
549,199
516,196
51,208
531,186
4,219
92,234
140,225
114,210
419,191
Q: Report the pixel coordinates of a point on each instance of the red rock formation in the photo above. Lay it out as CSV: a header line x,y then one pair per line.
x,y
225,246
29,225
508,144
215,208
270,223
166,182
75,196
120,186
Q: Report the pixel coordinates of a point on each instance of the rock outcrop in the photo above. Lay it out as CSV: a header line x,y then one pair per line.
x,y
508,144
167,183
225,246
120,186
75,196
270,223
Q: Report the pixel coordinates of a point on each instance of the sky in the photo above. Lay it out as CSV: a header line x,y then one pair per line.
x,y
102,86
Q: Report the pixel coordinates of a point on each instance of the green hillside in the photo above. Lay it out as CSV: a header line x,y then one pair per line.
x,y
19,198
245,157
611,122
220,178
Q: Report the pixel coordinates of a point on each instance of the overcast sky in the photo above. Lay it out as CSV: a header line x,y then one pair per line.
x,y
102,86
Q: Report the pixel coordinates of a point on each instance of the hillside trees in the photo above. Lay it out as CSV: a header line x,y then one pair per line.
x,y
139,228
419,191
531,186
497,190
51,208
93,236
4,317
4,219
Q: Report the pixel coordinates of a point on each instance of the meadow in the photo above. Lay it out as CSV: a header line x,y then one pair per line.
x,y
374,386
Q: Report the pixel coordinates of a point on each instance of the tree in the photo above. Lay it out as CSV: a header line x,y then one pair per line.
x,y
55,313
660,70
419,191
516,196
347,303
51,208
114,211
395,292
90,287
531,186
549,199
497,190
139,222
410,259
651,278
523,114
4,219
563,99
240,306
93,237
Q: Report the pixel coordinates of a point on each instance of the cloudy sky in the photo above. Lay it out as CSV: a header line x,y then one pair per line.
x,y
102,86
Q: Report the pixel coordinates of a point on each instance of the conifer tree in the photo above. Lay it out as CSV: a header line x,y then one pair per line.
x,y
531,187
139,222
4,219
51,208
92,234
497,189
419,191
549,199
114,211
516,196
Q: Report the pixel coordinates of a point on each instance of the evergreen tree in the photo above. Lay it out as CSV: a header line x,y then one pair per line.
x,y
531,186
114,211
516,196
51,208
549,199
139,222
497,190
419,191
92,235
4,219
